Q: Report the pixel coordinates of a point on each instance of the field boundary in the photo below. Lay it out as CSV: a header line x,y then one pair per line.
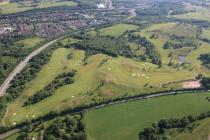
x,y
90,107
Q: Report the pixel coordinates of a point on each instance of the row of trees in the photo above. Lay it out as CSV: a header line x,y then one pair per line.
x,y
59,81
205,58
158,130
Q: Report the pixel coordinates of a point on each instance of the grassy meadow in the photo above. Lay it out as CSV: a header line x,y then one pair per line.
x,y
124,121
163,32
117,30
30,42
9,8
195,12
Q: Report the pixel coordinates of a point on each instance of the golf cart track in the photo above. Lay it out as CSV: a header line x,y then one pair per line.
x,y
21,66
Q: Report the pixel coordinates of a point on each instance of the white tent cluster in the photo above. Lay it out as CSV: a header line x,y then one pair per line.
x,y
139,75
101,6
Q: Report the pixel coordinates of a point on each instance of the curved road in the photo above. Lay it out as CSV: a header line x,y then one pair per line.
x,y
21,66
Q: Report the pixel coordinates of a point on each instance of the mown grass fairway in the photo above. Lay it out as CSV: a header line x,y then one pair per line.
x,y
124,121
117,29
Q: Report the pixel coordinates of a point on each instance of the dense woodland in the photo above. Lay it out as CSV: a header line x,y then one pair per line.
x,y
70,127
67,128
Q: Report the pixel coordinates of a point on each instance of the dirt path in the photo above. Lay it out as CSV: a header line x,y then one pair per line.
x,y
42,135
5,115
9,133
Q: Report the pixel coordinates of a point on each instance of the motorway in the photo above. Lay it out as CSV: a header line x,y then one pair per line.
x,y
21,66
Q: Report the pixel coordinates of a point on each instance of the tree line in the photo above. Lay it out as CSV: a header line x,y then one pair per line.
x,y
158,131
69,127
205,58
59,81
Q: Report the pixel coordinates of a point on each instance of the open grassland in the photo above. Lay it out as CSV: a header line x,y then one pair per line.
x,y
30,42
46,4
124,121
173,28
9,8
68,40
117,30
195,12
201,132
121,76
163,33
205,33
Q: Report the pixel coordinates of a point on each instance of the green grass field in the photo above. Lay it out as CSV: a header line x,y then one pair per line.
x,y
164,31
30,42
9,8
205,33
121,76
68,40
173,28
117,30
124,121
200,13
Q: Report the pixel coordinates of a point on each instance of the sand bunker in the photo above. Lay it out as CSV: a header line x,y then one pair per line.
x,y
192,84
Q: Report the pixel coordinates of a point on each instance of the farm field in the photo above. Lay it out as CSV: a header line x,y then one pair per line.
x,y
9,8
124,121
117,30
